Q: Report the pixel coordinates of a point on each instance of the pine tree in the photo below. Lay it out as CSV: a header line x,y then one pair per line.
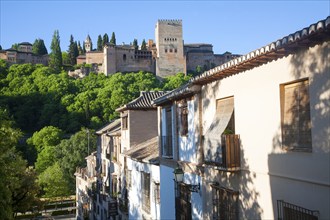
x,y
55,59
99,43
135,44
113,39
105,39
143,45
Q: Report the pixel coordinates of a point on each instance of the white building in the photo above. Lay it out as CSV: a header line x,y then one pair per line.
x,y
140,151
85,188
108,170
252,135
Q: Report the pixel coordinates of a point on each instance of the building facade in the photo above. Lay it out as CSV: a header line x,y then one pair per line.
x,y
251,135
166,56
23,55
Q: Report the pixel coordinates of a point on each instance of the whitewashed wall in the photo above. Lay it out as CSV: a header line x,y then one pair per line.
x,y
270,173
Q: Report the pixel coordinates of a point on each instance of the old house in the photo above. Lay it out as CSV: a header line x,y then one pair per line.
x,y
85,188
140,154
108,169
249,139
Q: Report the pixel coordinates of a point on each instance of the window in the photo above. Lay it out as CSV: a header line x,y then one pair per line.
x,y
295,116
167,149
146,192
175,50
171,50
124,122
165,50
182,201
124,57
225,203
157,192
222,146
287,211
183,117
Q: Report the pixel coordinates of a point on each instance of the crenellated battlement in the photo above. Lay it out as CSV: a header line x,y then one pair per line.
x,y
170,21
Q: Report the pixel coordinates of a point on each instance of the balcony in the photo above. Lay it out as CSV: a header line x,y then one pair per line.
x,y
123,205
167,147
228,156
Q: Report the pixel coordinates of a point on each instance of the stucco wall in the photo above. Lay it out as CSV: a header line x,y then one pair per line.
x,y
268,172
167,194
142,125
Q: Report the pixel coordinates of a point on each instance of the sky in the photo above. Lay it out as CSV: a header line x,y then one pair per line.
x,y
235,26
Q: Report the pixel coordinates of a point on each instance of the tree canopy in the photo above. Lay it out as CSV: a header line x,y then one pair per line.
x,y
39,47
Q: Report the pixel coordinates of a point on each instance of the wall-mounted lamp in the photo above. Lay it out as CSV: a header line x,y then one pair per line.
x,y
178,177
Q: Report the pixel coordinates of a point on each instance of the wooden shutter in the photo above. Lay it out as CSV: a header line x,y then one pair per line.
x,y
296,122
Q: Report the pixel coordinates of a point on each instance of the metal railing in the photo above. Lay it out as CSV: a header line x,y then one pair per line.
x,y
287,211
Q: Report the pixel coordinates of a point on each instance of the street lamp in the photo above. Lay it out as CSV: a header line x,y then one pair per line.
x,y
178,174
178,177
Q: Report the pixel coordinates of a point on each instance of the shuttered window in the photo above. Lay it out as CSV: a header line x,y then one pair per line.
x,y
295,114
183,118
146,192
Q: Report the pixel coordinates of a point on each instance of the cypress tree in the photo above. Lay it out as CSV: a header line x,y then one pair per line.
x,y
135,44
105,39
39,47
99,43
80,49
71,51
143,45
113,39
55,59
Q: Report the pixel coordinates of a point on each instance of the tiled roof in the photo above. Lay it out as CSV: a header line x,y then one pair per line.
x,y
143,102
110,127
26,43
145,152
314,34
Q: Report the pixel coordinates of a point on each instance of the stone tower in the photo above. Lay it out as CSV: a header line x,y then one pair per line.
x,y
169,43
88,44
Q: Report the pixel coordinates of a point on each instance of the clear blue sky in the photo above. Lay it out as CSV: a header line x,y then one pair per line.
x,y
235,26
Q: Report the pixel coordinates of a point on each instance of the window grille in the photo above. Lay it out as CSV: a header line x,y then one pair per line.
x,y
225,203
287,211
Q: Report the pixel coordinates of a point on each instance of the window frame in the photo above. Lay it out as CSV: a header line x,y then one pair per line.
x,y
296,137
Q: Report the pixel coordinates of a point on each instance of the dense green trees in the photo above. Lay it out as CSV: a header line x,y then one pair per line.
x,y
18,188
39,47
55,58
55,110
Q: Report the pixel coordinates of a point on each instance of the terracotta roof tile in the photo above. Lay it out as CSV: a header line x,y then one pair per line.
x,y
146,152
144,101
